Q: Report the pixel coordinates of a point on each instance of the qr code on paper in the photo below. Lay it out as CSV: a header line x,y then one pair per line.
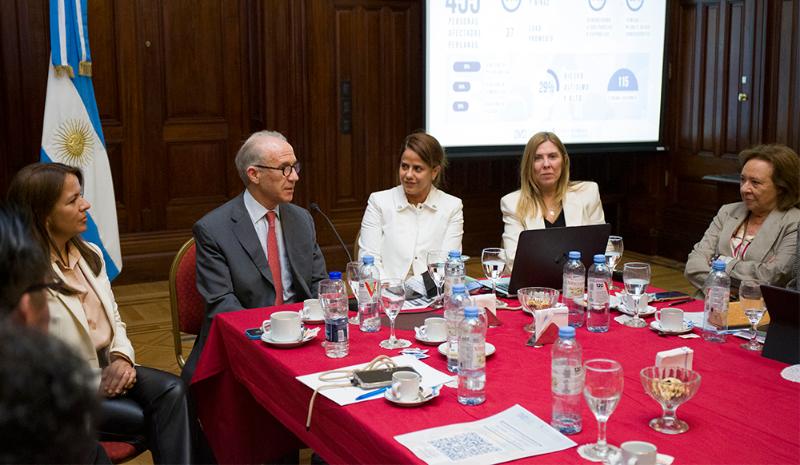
x,y
462,446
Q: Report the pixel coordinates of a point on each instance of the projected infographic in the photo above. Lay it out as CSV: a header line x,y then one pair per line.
x,y
499,71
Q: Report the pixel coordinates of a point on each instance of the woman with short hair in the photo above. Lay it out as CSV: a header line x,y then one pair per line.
x,y
757,237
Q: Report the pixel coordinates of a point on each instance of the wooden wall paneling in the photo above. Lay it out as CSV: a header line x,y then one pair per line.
x,y
24,54
782,101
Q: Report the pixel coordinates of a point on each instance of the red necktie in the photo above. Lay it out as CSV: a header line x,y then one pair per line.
x,y
273,257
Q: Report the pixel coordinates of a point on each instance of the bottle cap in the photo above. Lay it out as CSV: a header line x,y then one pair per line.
x,y
574,255
471,312
718,265
368,259
566,332
335,275
454,254
600,258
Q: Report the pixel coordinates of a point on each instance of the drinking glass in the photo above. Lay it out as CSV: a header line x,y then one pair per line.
x,y
753,305
493,260
670,387
536,298
602,389
352,280
393,295
636,276
436,261
614,250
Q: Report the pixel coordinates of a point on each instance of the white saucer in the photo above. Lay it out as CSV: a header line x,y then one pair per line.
x,y
650,310
490,349
791,373
425,395
308,335
656,326
428,342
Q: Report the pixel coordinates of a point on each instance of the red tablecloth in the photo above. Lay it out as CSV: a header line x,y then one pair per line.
x,y
253,408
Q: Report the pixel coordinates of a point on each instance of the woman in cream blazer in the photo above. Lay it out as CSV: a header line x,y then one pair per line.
x,y
401,225
547,198
136,401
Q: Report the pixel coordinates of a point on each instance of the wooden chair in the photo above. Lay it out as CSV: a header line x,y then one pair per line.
x,y
188,307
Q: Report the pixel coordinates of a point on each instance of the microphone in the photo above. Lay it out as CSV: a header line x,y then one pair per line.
x,y
315,207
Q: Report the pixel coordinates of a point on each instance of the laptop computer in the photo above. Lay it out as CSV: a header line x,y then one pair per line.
x,y
541,254
783,335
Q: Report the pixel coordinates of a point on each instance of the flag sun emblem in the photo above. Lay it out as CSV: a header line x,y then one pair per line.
x,y
73,141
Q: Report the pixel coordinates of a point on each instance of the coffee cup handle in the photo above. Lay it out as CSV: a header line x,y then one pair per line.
x,y
658,316
265,325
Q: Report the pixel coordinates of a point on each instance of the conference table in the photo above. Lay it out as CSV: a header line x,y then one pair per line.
x,y
253,409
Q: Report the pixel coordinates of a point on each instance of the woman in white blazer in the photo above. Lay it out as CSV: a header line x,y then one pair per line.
x,y
137,401
547,198
401,225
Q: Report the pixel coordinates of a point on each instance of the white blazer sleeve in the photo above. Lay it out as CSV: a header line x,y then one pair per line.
x,y
594,209
370,238
455,229
512,226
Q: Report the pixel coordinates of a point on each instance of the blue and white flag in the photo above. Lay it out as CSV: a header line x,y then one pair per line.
x,y
71,133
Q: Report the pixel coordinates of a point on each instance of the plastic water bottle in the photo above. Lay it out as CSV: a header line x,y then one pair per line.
x,y
454,271
333,297
597,318
715,312
574,285
471,359
369,296
567,382
454,306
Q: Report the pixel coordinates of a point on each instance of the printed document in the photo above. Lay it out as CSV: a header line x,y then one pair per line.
x,y
509,435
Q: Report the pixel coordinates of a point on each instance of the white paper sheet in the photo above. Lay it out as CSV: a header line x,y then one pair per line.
x,y
509,435
347,395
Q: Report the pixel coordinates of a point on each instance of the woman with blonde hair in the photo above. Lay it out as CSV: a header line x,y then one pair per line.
x,y
547,198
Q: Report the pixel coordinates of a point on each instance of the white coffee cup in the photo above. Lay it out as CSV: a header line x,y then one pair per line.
x,y
670,319
435,329
405,385
283,326
638,453
312,309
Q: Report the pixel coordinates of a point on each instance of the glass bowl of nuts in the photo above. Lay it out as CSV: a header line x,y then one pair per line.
x,y
670,387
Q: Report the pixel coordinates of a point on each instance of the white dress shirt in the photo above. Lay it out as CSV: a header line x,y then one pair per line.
x,y
258,215
399,235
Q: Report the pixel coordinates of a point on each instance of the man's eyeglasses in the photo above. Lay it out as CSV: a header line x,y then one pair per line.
x,y
286,170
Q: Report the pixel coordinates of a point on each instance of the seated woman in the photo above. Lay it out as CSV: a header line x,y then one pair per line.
x,y
546,197
138,401
756,237
401,225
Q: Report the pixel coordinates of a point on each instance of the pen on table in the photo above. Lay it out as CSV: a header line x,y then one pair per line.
x,y
679,302
369,394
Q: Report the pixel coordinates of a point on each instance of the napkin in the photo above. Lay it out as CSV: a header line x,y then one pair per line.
x,y
548,321
487,301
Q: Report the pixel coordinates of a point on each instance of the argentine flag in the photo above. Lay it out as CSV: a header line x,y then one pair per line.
x,y
71,133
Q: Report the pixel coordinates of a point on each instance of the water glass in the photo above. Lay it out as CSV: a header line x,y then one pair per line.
x,y
636,276
436,260
602,389
614,250
352,281
493,260
754,308
393,296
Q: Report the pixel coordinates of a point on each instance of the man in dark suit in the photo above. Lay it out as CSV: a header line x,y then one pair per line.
x,y
258,249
